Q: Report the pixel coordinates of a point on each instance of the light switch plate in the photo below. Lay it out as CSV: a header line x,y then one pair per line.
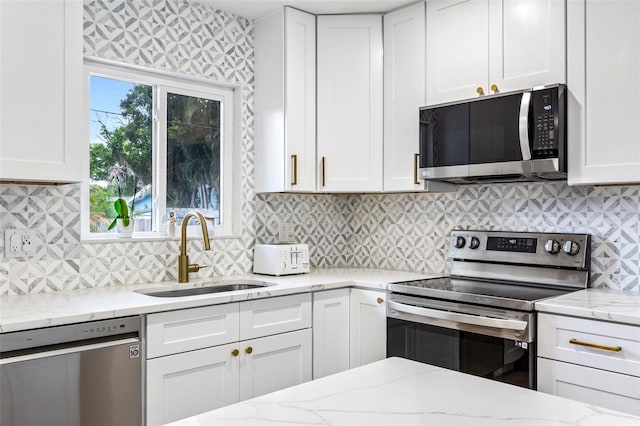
x,y
19,243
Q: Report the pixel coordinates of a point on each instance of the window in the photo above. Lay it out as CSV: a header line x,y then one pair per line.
x,y
164,146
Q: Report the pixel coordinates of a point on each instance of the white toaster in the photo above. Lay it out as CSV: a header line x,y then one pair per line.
x,y
281,259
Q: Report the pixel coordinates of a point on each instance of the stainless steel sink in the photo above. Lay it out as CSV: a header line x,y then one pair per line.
x,y
195,289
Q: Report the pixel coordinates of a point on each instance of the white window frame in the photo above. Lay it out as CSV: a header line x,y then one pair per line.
x,y
164,83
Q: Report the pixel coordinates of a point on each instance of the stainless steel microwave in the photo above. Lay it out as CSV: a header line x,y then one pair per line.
x,y
515,136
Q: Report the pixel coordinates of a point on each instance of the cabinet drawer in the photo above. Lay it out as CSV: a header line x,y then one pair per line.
x,y
263,317
603,388
190,329
563,338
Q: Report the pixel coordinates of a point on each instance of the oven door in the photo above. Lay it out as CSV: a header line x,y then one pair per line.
x,y
492,343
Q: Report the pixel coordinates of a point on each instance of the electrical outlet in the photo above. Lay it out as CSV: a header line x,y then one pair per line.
x,y
19,243
286,232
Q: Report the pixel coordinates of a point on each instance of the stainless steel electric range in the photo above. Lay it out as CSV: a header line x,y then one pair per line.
x,y
481,319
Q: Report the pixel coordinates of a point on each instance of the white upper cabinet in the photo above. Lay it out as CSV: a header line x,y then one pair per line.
x,y
404,94
457,49
350,103
604,91
285,102
527,43
489,46
41,136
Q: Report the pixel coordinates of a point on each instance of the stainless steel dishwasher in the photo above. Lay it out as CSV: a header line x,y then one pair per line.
x,y
80,374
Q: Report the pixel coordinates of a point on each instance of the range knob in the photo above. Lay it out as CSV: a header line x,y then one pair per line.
x,y
474,243
460,242
552,246
571,247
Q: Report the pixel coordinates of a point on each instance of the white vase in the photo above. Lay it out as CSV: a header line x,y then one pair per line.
x,y
122,230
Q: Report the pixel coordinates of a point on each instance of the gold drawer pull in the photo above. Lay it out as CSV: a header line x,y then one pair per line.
x,y
379,300
235,352
249,350
596,346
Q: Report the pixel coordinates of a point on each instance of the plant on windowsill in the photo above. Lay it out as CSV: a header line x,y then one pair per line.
x,y
123,222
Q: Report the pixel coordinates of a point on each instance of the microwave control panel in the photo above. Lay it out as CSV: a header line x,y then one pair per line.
x,y
546,108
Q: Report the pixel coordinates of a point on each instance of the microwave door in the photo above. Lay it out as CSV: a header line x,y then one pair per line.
x,y
495,134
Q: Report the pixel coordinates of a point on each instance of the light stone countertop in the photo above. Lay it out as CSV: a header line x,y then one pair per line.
x,y
593,303
397,391
25,312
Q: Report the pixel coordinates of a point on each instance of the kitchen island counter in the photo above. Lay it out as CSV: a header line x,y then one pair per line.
x,y
396,391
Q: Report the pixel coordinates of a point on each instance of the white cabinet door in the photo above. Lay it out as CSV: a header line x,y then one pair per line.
x,y
330,332
404,94
526,43
603,66
274,362
190,383
41,91
368,327
350,103
300,102
285,102
457,49
593,386
489,46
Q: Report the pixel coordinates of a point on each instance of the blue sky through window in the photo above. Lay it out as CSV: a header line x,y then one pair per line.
x,y
106,95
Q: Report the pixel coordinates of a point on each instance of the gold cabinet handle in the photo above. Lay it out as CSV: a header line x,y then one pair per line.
x,y
596,346
494,88
294,178
379,300
249,350
235,352
480,90
322,171
415,169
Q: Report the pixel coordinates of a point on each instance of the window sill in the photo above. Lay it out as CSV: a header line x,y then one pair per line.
x,y
144,237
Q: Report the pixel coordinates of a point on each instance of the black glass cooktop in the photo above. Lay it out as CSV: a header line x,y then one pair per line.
x,y
507,295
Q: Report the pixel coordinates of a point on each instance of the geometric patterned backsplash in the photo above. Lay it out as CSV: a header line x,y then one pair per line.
x,y
397,231
411,231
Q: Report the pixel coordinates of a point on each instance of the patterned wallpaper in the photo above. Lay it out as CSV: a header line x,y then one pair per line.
x,y
401,231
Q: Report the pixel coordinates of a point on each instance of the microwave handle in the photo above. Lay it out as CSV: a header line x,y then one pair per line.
x,y
523,125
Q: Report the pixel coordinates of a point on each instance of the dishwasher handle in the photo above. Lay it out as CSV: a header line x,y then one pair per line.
x,y
458,317
134,350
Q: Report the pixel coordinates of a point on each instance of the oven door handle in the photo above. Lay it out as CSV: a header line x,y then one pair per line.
x,y
459,317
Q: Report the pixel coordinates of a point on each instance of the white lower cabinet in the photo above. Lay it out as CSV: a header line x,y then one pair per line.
x,y
196,363
274,362
591,385
185,384
330,332
368,327
596,362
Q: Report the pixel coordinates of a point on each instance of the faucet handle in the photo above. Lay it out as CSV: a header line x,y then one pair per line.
x,y
194,267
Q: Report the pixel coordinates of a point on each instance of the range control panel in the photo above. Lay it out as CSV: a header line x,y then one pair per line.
x,y
527,248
